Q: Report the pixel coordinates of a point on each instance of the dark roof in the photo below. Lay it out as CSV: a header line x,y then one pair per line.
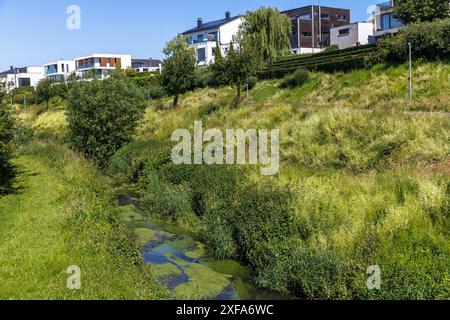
x,y
145,63
315,6
11,71
211,25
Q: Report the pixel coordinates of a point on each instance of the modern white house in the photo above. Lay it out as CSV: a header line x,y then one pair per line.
x,y
22,77
385,23
206,35
59,70
100,65
146,65
354,34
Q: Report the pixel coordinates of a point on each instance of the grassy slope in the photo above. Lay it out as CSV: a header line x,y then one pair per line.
x,y
40,237
370,179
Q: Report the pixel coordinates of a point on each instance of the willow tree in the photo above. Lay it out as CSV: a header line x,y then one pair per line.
x,y
268,31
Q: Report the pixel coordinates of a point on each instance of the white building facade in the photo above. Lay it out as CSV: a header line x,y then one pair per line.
x,y
354,34
100,65
205,37
385,22
22,77
59,70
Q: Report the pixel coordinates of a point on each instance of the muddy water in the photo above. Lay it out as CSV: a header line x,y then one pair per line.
x,y
182,264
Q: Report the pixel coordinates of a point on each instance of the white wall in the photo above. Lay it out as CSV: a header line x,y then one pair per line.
x,y
358,35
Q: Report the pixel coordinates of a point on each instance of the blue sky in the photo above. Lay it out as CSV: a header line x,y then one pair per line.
x,y
34,32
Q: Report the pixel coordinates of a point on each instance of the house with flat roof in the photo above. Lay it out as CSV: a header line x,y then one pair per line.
x,y
59,70
311,27
100,65
22,77
146,65
385,22
206,35
351,35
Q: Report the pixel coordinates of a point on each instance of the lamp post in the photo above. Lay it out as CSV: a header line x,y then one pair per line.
x,y
410,74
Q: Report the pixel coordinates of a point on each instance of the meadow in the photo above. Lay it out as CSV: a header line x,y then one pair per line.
x,y
364,180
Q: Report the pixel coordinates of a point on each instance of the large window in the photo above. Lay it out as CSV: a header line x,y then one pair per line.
x,y
24,82
389,21
201,54
344,32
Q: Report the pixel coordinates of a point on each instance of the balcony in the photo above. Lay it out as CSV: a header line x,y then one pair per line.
x,y
385,5
85,66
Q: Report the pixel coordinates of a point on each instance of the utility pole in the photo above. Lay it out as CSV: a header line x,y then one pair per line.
x,y
410,74
299,36
312,27
320,25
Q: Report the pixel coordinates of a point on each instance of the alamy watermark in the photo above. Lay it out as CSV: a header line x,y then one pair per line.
x,y
74,280
73,22
234,147
374,278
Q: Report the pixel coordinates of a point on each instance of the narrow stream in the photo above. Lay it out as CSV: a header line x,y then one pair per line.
x,y
182,264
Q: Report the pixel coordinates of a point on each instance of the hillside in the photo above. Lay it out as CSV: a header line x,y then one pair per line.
x,y
364,180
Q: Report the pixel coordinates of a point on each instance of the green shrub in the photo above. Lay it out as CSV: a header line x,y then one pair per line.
x,y
203,77
252,82
331,48
429,40
6,137
297,79
103,116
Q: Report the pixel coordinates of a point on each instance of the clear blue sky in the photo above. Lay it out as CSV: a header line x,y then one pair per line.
x,y
34,32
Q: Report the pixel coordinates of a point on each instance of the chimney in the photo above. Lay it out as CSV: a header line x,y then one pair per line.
x,y
199,22
227,15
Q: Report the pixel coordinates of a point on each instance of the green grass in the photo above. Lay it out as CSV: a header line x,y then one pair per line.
x,y
364,180
61,215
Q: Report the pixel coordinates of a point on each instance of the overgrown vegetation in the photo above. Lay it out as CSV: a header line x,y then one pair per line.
x,y
102,117
6,136
356,187
64,215
421,11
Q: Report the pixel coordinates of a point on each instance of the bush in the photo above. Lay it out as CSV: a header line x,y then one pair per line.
x,y
6,137
429,40
103,116
332,48
297,79
203,77
252,82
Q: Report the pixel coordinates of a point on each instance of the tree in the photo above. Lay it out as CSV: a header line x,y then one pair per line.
x,y
6,136
2,90
218,68
411,11
178,75
44,91
241,63
103,116
268,31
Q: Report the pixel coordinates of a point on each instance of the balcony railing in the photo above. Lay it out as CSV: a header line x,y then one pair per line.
x,y
385,5
86,66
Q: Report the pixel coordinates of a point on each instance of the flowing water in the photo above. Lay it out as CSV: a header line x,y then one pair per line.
x,y
182,264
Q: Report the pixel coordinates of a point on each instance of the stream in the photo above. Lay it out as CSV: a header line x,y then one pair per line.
x,y
181,263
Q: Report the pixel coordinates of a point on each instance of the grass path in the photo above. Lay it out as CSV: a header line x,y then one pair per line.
x,y
38,242
33,258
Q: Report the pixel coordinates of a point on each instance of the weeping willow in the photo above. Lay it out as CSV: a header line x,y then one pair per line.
x,y
268,31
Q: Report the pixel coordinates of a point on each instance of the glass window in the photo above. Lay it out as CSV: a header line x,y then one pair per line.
x,y
325,16
201,54
307,16
344,32
307,34
200,38
385,21
341,17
